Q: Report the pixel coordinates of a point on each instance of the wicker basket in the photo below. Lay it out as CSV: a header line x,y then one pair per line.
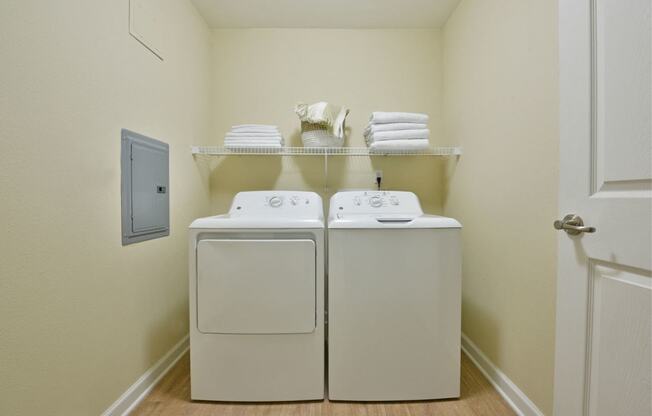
x,y
317,135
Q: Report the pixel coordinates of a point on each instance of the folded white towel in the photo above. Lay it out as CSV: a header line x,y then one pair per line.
x,y
253,137
252,147
252,142
228,140
249,144
372,128
382,117
228,146
259,139
253,134
254,126
397,146
399,135
255,130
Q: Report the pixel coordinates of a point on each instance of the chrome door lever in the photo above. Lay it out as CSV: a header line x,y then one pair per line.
x,y
573,225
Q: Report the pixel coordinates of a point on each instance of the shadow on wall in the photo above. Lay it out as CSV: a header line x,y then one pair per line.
x,y
203,167
447,173
483,319
166,331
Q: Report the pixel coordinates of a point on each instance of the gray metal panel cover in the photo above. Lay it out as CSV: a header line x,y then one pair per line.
x,y
145,188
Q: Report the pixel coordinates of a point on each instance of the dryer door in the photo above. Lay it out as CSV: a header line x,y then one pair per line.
x,y
256,286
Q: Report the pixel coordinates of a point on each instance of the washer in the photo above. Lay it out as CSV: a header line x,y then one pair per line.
x,y
256,300
394,299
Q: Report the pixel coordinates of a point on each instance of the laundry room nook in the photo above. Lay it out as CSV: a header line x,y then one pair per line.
x,y
259,75
302,207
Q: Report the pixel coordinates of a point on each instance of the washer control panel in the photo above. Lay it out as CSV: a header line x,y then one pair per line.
x,y
385,202
288,203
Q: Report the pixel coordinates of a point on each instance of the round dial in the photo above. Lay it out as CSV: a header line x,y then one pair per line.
x,y
376,201
275,202
294,200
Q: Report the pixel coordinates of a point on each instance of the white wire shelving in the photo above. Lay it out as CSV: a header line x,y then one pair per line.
x,y
321,151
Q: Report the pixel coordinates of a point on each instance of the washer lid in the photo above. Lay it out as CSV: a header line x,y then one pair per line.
x,y
269,209
391,221
382,209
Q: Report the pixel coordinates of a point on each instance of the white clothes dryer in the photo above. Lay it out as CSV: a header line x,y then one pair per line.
x,y
256,299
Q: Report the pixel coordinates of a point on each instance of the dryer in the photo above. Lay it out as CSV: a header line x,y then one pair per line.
x,y
256,299
394,299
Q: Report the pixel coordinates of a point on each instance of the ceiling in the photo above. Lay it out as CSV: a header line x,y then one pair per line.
x,y
344,14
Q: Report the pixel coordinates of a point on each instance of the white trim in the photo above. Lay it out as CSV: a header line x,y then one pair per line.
x,y
514,396
141,388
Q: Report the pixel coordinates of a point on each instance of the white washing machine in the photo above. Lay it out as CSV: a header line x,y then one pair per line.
x,y
394,299
256,300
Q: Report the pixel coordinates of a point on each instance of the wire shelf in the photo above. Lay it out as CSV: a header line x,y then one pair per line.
x,y
322,151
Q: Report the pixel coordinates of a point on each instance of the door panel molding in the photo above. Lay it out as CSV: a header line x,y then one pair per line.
x,y
605,276
635,179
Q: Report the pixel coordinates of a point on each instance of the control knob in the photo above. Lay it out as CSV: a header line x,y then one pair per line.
x,y
376,201
275,202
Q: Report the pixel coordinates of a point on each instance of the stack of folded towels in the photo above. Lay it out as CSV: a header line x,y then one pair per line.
x,y
396,132
253,136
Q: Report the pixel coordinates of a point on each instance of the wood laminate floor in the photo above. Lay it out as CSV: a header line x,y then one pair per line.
x,y
171,397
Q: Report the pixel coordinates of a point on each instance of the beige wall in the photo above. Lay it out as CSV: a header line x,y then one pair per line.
x,y
81,317
500,101
260,74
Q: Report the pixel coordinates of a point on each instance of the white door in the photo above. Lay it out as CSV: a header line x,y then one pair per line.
x,y
256,286
604,296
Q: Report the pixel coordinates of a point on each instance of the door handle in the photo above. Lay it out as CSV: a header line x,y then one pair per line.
x,y
573,225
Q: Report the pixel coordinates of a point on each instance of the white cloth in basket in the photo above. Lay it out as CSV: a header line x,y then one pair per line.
x,y
332,117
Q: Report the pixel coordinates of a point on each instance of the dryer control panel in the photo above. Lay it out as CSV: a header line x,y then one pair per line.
x,y
290,203
380,202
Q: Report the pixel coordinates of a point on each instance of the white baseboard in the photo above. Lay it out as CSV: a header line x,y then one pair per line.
x,y
514,396
141,388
